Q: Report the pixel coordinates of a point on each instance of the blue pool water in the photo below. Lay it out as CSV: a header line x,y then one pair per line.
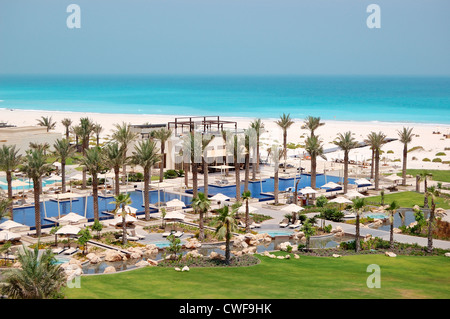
x,y
258,189
25,215
26,180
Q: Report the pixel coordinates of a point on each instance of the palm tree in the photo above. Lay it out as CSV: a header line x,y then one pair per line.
x,y
122,200
247,145
201,204
93,162
205,143
67,123
226,225
37,278
276,155
114,160
47,122
146,155
405,136
9,161
376,141
192,151
312,123
35,166
163,136
83,131
392,209
434,194
124,136
235,147
4,207
358,207
44,147
314,146
97,129
346,142
63,150
246,195
284,123
258,127
423,176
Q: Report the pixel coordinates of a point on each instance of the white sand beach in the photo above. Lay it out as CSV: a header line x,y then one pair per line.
x,y
432,143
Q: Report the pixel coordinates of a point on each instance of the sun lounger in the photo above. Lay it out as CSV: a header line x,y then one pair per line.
x,y
242,224
70,251
256,225
178,234
167,233
284,223
58,250
296,224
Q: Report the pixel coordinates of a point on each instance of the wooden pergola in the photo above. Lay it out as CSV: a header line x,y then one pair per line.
x,y
194,122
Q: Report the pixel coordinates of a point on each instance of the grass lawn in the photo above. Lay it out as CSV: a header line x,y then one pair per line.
x,y
407,199
307,277
438,175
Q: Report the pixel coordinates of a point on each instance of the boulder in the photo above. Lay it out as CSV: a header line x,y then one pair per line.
x,y
185,268
272,256
95,259
193,243
336,255
135,256
390,254
215,255
177,269
412,224
287,257
74,261
296,256
109,270
284,246
397,231
142,263
112,255
152,262
280,257
193,254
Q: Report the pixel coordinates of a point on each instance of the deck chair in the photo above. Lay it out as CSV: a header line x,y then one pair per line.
x,y
284,223
296,224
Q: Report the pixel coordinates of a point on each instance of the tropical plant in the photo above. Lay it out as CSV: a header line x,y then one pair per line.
x,y
83,132
84,238
284,123
97,129
358,207
312,123
314,146
235,147
47,122
35,166
346,142
37,278
121,201
206,140
405,137
124,136
423,176
10,159
163,135
226,225
114,159
63,150
308,230
376,141
433,193
146,155
67,122
246,195
53,232
276,155
258,127
174,248
98,227
392,210
201,204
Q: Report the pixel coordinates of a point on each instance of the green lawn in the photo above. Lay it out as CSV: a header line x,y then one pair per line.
x,y
407,199
307,277
438,175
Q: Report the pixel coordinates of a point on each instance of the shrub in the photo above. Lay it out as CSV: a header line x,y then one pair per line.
x,y
437,160
321,201
416,148
426,159
440,154
390,152
332,214
327,228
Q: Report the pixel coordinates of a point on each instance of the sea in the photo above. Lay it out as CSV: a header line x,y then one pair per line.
x,y
344,98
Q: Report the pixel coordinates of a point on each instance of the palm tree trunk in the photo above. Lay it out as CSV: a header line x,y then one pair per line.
x,y
257,155
63,175
146,195
276,185
377,168
425,200
247,171
357,232
227,245
186,177
238,178
67,133
418,183
161,169
116,180
9,181
37,207
430,227
195,179
405,158
95,195
201,234
372,164
253,169
391,235
124,227
285,147
313,173
247,226
205,177
345,172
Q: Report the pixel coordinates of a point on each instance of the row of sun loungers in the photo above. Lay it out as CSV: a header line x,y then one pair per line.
x,y
64,250
177,234
295,225
253,225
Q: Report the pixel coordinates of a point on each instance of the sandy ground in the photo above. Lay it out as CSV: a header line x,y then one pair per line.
x,y
431,143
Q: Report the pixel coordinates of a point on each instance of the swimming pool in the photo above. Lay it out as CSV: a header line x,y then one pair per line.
x,y
274,233
376,216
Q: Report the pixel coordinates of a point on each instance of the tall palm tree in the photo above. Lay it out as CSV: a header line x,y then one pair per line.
x,y
246,195
247,145
346,142
67,122
10,159
146,155
358,207
314,146
226,225
83,131
235,147
258,127
114,160
44,147
47,122
163,136
124,136
434,194
93,161
201,204
39,276
405,136
35,166
284,123
63,150
423,176
312,123
276,155
122,200
97,129
192,153
392,210
206,140
376,141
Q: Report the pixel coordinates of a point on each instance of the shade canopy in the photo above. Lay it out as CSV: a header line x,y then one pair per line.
x,y
292,208
220,197
174,215
341,200
7,235
222,166
175,203
161,185
72,218
77,177
307,190
393,177
10,224
54,178
331,185
251,209
354,194
68,230
362,181
57,164
119,220
64,196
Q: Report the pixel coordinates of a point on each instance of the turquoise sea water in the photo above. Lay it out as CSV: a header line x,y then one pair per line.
x,y
392,99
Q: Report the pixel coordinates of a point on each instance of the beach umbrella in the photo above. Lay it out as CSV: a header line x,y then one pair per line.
x,y
174,215
362,181
68,230
78,177
118,220
331,185
307,190
7,235
220,197
393,178
175,203
251,209
72,218
353,194
292,208
54,178
57,164
341,200
10,224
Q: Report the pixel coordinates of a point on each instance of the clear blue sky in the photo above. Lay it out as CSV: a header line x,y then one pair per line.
x,y
225,37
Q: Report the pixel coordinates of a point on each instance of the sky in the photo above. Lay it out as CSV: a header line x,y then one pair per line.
x,y
287,37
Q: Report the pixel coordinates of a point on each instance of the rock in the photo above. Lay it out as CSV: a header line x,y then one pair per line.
x,y
177,269
253,242
296,256
287,257
215,255
447,254
185,268
284,246
193,254
336,255
272,256
390,254
152,262
249,250
237,253
267,239
74,261
280,257
112,255
223,247
193,243
109,270
397,231
95,259
266,253
142,263
412,224
135,256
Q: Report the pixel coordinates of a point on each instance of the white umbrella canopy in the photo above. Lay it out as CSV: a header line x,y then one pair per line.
x,y
78,177
68,230
292,208
307,190
341,200
10,224
220,197
362,181
222,166
175,203
353,194
72,218
7,235
174,215
251,209
54,178
393,177
118,220
331,185
57,164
